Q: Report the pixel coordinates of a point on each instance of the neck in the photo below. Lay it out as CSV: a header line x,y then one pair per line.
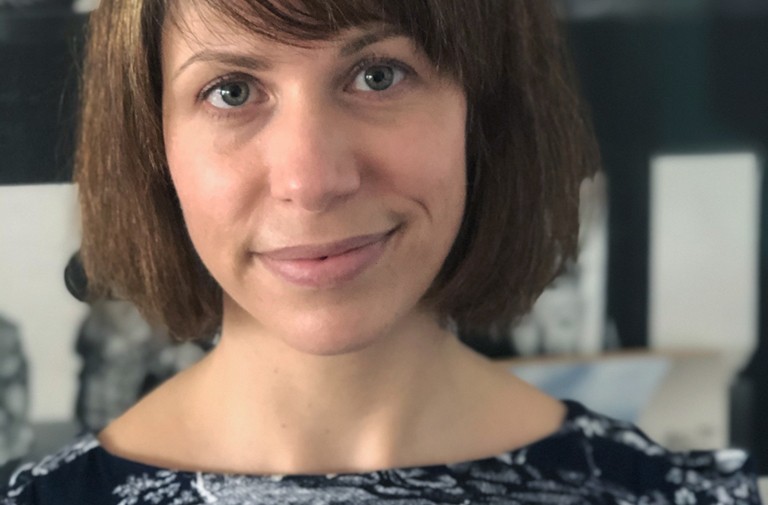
x,y
375,407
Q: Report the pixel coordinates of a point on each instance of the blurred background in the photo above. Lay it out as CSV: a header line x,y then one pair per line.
x,y
668,299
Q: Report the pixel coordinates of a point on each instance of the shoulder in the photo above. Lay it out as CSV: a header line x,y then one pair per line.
x,y
84,473
57,473
617,455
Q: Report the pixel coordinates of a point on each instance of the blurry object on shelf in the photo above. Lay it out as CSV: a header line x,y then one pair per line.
x,y
15,431
569,316
690,408
556,323
123,358
85,6
620,386
679,398
75,278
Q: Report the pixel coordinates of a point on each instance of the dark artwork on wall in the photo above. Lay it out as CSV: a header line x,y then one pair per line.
x,y
35,4
39,44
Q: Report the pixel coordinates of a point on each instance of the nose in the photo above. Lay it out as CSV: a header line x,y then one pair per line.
x,y
310,155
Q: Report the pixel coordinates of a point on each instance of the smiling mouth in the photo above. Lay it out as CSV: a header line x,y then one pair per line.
x,y
326,265
322,251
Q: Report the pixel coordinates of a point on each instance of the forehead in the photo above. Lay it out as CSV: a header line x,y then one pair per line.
x,y
195,35
436,28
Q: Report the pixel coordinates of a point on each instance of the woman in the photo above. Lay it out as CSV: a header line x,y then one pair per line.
x,y
335,186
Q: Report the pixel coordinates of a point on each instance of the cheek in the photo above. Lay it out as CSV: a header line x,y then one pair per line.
x,y
207,191
432,168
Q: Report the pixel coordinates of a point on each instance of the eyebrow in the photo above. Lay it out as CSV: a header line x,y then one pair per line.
x,y
359,43
226,57
351,47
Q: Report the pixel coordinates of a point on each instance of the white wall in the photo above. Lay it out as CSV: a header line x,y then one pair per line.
x,y
38,233
704,253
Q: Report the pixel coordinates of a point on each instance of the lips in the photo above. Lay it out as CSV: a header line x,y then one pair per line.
x,y
323,250
326,265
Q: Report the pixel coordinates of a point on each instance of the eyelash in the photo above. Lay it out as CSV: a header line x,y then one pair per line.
x,y
253,83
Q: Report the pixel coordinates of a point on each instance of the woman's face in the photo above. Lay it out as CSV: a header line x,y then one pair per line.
x,y
322,186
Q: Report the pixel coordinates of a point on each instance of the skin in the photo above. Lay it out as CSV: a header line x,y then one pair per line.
x,y
347,375
313,160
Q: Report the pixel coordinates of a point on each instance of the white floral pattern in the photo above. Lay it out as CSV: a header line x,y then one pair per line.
x,y
592,459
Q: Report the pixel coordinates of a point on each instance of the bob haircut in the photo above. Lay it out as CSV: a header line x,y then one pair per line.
x,y
529,147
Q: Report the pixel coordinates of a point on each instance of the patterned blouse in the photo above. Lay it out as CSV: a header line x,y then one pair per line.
x,y
591,459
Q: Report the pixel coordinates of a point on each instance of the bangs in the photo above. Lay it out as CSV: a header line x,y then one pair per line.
x,y
297,21
294,21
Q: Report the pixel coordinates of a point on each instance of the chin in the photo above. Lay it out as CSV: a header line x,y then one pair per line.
x,y
334,339
329,348
330,325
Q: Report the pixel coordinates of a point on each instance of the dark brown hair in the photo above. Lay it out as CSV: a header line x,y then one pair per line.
x,y
528,149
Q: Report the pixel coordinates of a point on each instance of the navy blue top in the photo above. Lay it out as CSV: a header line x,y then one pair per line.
x,y
590,459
